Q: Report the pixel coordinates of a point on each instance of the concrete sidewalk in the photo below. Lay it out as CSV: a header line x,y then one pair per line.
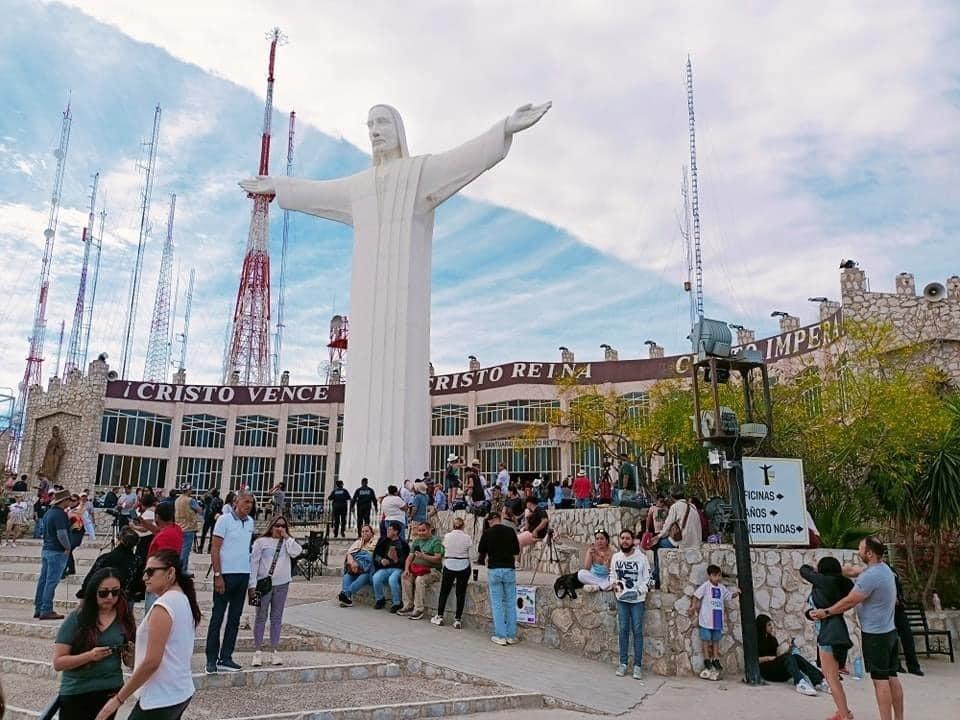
x,y
524,666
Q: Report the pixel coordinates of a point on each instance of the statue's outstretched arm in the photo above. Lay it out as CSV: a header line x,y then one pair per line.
x,y
328,199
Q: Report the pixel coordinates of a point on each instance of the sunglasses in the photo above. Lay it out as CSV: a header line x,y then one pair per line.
x,y
106,593
281,526
149,571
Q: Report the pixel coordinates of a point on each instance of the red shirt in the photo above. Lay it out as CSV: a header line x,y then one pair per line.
x,y
582,487
167,538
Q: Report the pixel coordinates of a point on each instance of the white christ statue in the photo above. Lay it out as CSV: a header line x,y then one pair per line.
x,y
386,434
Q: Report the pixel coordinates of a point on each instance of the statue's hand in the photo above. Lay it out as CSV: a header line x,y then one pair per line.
x,y
525,116
260,185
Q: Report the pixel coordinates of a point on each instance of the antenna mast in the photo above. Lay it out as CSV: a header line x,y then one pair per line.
x,y
56,370
88,323
31,374
249,350
145,198
695,193
182,365
686,232
278,335
158,347
76,356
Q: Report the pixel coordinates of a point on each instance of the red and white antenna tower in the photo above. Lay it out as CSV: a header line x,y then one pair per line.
x,y
146,195
278,335
76,352
249,352
31,375
158,346
339,332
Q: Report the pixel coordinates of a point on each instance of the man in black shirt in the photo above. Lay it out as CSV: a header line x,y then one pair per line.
x,y
21,484
340,500
54,555
536,525
364,498
110,499
499,549
389,560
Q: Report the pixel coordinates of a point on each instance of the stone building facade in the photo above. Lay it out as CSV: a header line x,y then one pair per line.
x,y
164,434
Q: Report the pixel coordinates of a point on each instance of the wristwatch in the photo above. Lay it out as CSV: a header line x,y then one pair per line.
x,y
216,574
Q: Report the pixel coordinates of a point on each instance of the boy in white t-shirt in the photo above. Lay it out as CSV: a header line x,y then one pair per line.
x,y
709,600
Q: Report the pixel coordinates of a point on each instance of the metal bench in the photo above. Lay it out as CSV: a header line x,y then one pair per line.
x,y
917,616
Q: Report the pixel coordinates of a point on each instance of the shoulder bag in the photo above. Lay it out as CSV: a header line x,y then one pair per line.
x,y
265,584
676,530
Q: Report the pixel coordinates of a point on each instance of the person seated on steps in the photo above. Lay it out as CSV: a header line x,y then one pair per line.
x,y
389,560
357,566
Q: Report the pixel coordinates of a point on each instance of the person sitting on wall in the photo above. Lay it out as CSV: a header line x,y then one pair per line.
x,y
595,574
537,523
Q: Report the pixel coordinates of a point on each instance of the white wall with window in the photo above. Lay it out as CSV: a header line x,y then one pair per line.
x,y
255,431
308,429
533,411
256,473
120,470
201,474
449,420
203,431
135,427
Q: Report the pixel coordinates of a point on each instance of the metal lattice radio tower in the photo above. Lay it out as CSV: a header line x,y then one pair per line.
x,y
281,289
157,364
146,196
76,347
88,321
56,367
249,350
694,192
32,372
182,337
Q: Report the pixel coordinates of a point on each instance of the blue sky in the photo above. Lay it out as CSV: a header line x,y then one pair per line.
x,y
815,143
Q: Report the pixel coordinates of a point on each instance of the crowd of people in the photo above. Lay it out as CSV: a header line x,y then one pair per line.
x,y
401,556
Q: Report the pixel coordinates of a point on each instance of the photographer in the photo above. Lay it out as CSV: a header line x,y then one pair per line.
x,y
122,560
90,645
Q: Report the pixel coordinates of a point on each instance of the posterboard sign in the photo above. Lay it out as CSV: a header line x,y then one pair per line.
x,y
776,501
526,604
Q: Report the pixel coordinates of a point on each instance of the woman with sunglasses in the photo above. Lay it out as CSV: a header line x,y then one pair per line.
x,y
90,645
161,673
271,557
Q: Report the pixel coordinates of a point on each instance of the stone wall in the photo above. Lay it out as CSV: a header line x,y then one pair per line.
x,y
574,526
75,405
587,626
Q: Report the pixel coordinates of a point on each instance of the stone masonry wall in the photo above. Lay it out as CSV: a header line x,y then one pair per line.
x,y
577,526
75,405
587,626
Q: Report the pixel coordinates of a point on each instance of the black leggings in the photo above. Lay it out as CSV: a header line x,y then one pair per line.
x,y
446,582
790,667
171,712
85,706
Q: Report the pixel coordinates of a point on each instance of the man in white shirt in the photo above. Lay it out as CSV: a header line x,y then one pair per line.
x,y
394,509
630,577
230,558
503,479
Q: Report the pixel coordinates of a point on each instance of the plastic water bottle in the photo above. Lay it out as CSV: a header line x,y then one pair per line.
x,y
793,646
858,668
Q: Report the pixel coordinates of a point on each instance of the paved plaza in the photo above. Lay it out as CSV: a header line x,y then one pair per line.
x,y
361,663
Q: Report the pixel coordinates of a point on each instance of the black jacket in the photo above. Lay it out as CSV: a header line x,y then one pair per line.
x,y
827,590
124,561
364,497
383,547
340,499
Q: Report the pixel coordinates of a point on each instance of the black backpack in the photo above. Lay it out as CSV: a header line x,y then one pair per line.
x,y
567,586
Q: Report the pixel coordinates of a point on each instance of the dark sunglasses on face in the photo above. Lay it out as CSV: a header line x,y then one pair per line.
x,y
105,593
149,571
280,526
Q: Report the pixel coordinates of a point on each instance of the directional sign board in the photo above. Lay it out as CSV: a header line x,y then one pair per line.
x,y
776,502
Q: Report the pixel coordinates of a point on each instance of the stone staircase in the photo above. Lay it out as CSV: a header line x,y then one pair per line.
x,y
322,676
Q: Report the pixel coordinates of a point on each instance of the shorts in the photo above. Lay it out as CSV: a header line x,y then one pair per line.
x,y
709,635
880,654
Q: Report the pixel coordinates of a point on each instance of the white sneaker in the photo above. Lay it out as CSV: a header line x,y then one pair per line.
x,y
276,660
257,659
436,620
457,624
714,674
823,687
637,674
705,673
498,640
512,641
805,688
621,670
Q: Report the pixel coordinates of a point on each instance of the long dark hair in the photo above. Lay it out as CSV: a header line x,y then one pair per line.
x,y
88,614
763,622
170,559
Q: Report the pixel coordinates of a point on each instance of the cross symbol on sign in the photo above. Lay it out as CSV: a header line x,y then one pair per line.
x,y
768,477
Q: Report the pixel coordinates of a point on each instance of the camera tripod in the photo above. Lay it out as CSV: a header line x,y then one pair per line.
x,y
553,558
114,534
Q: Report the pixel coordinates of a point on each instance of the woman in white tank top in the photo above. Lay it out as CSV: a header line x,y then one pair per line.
x,y
161,677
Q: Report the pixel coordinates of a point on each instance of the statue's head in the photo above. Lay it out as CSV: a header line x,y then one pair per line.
x,y
387,136
55,431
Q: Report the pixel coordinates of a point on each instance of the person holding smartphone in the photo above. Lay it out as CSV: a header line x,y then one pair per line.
x,y
271,556
91,644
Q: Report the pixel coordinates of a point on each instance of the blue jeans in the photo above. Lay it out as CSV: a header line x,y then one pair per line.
x,y
630,619
502,586
391,576
351,584
661,543
52,565
229,605
188,538
38,528
585,503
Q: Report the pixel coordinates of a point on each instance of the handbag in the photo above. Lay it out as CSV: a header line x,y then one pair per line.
x,y
676,530
265,584
646,540
418,570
